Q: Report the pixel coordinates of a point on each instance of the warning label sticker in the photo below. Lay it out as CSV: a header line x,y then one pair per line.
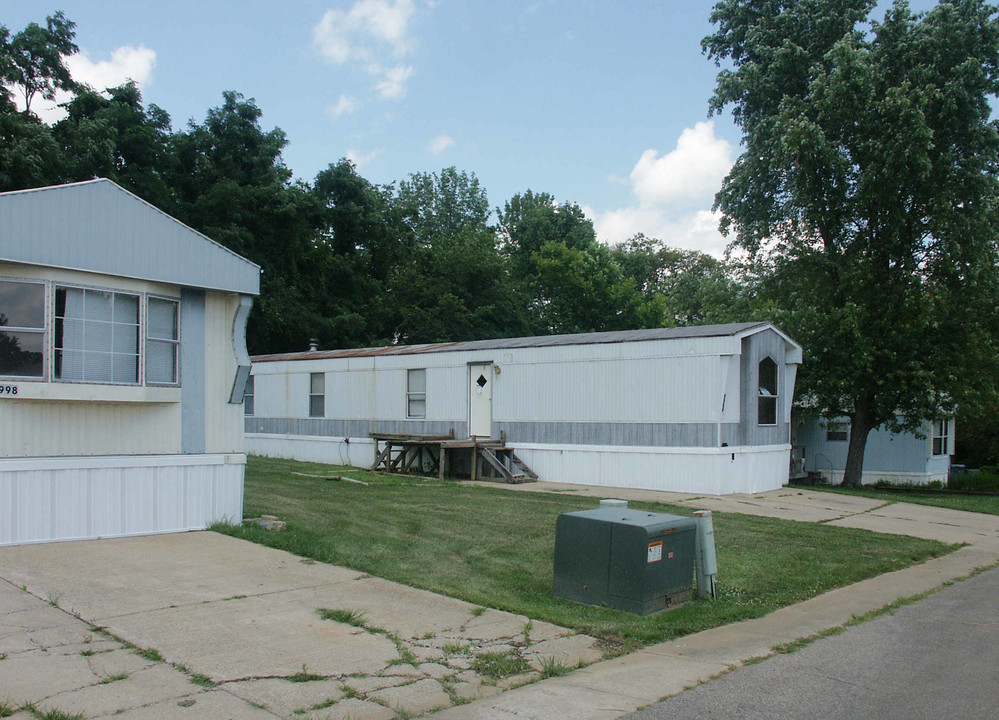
x,y
655,551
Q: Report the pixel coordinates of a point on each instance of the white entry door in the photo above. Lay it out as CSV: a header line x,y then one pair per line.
x,y
480,399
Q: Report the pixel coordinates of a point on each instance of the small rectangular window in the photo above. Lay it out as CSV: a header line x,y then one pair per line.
x,y
317,395
22,329
248,397
836,432
162,341
941,441
416,393
96,336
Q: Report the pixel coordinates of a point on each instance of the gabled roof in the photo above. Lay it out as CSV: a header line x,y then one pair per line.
x,y
595,338
98,226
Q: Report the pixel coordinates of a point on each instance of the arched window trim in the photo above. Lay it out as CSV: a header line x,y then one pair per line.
x,y
767,391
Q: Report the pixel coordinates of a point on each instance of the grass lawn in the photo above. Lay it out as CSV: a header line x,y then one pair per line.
x,y
972,503
495,546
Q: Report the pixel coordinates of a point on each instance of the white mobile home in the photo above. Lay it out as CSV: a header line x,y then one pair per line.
x,y
696,409
122,367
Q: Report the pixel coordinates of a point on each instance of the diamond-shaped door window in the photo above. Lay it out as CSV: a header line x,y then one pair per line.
x,y
481,382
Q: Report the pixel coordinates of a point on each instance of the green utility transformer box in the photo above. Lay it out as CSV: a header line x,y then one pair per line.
x,y
628,559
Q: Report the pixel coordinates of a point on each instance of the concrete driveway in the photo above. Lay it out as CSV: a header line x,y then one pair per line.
x,y
200,625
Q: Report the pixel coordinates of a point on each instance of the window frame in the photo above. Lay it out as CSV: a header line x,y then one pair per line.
x,y
175,342
837,429
249,397
942,438
415,395
139,354
50,288
43,331
317,395
771,399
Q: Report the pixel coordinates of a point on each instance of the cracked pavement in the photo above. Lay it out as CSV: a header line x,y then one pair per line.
x,y
203,625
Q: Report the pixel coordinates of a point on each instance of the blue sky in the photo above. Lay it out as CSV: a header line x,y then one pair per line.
x,y
599,103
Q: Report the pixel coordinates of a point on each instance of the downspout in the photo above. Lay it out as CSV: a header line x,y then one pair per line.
x,y
239,348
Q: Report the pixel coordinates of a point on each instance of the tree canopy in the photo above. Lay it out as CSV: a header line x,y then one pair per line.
x,y
866,197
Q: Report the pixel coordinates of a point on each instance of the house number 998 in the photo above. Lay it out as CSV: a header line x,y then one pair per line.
x,y
8,389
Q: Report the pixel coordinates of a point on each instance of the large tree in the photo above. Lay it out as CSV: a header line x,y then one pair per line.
x,y
33,60
866,198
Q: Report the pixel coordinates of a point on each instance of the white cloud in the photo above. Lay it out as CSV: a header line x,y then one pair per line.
x,y
344,106
366,33
126,63
368,26
439,144
695,168
360,159
393,83
696,230
673,194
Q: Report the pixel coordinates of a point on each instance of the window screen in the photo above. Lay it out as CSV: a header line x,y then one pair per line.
x,y
162,341
416,393
248,397
317,395
96,336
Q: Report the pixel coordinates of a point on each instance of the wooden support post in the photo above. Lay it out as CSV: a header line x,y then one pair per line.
x,y
474,474
442,464
382,456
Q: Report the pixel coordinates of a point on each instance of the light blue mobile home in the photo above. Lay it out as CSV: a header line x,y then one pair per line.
x,y
896,458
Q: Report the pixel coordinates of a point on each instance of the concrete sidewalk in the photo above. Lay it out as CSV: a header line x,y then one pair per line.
x,y
202,625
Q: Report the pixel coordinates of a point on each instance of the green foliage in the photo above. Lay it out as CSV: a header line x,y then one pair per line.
x,y
867,197
985,480
113,135
33,60
553,667
356,618
498,665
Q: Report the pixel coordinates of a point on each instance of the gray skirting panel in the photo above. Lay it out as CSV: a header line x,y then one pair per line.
x,y
559,433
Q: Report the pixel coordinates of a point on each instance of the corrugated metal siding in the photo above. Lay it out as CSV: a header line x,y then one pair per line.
x,y
754,349
98,226
34,428
885,452
676,381
108,497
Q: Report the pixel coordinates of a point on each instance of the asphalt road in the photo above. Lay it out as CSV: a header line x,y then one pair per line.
x,y
936,659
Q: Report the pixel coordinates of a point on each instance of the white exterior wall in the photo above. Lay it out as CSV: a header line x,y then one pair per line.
x,y
708,471
679,380
46,499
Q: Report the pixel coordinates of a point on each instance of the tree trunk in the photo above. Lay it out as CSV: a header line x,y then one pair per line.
x,y
860,428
